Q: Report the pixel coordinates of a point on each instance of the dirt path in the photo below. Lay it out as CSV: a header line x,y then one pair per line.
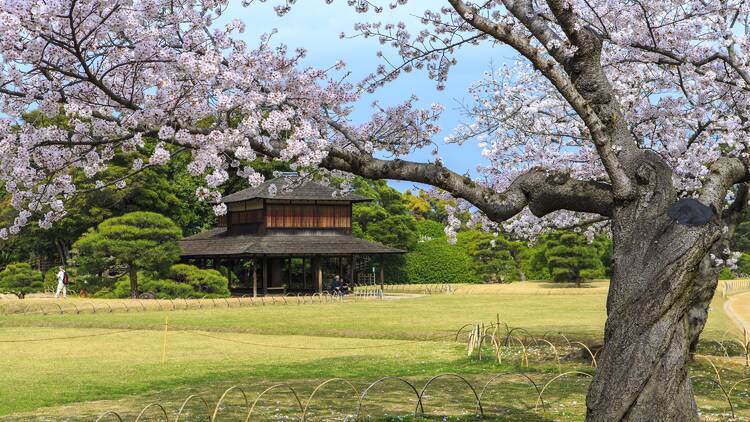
x,y
739,321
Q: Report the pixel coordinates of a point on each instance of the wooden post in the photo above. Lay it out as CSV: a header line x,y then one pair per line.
x,y
229,266
265,276
317,274
351,270
164,350
255,278
382,278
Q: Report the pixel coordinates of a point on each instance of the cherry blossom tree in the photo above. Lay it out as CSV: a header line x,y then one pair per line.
x,y
624,116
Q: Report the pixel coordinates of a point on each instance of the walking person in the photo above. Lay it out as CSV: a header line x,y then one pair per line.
x,y
62,283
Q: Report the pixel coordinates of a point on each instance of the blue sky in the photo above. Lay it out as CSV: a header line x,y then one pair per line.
x,y
315,26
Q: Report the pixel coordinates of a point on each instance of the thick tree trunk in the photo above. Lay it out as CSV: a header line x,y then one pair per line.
x,y
133,281
661,285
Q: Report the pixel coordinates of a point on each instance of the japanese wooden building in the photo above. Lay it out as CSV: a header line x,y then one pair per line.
x,y
287,235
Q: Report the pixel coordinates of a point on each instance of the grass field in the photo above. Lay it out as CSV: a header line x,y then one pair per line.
x,y
77,366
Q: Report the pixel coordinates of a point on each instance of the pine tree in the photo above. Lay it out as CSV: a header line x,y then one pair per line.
x,y
137,240
570,258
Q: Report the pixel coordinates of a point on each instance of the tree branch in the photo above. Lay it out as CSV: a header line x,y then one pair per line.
x,y
724,173
622,184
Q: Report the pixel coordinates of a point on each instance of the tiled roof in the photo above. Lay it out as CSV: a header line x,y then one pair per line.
x,y
289,188
217,242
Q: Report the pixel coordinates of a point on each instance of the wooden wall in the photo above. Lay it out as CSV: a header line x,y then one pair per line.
x,y
308,216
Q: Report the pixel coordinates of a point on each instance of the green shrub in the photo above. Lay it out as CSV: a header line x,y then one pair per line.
x,y
207,282
185,281
20,279
743,265
726,274
430,229
167,289
437,261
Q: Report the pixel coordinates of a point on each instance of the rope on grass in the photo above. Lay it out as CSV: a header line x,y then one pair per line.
x,y
31,340
378,346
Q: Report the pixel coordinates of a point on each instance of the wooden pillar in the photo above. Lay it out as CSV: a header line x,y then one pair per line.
x,y
317,274
265,276
382,278
255,278
351,269
229,272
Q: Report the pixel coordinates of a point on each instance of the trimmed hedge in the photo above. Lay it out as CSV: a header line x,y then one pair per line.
x,y
437,261
185,281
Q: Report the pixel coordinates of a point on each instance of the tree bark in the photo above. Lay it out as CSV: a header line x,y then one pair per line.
x,y
133,281
661,285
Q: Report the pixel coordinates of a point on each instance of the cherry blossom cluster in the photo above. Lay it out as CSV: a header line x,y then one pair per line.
x,y
151,78
681,72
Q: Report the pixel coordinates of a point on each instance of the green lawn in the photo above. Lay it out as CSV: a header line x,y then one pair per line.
x,y
113,361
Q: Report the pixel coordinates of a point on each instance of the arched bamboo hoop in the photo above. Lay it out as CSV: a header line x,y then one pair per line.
x,y
736,384
461,329
381,380
721,345
273,387
716,370
193,396
593,357
557,355
221,399
524,352
721,387
565,338
163,411
541,393
321,385
142,305
110,413
531,381
126,306
420,403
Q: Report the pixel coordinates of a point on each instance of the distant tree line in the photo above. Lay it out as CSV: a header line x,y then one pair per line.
x,y
415,221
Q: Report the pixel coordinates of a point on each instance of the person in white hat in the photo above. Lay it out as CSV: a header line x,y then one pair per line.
x,y
62,283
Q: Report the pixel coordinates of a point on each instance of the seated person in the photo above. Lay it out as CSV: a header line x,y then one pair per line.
x,y
336,286
345,287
